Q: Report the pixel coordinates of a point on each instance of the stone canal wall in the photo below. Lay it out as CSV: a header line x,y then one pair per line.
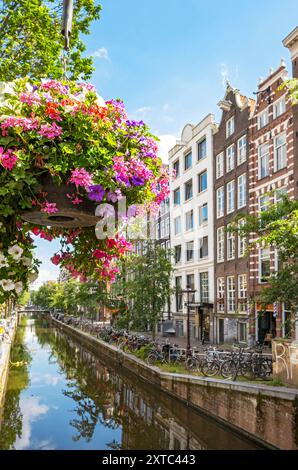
x,y
5,349
264,413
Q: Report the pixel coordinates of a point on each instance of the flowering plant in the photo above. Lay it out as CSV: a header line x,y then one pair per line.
x,y
65,131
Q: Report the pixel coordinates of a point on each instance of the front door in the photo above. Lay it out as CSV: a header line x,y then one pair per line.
x,y
266,324
221,332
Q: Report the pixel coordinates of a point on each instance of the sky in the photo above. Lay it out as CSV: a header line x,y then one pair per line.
x,y
169,61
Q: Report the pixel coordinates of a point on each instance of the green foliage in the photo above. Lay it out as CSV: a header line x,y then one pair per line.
x,y
31,42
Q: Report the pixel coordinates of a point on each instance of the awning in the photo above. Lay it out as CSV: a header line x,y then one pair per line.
x,y
170,330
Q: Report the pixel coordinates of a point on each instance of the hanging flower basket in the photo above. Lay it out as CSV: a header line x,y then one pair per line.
x,y
63,151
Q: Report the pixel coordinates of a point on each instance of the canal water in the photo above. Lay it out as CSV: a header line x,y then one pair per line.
x,y
62,396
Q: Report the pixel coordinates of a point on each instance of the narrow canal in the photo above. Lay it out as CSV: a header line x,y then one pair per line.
x,y
62,396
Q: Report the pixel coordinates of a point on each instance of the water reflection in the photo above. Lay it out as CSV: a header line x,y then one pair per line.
x,y
68,398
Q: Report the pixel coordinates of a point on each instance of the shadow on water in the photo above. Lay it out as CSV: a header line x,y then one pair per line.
x,y
65,397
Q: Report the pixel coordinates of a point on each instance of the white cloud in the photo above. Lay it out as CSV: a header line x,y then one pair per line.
x,y
166,142
224,72
166,107
101,53
144,110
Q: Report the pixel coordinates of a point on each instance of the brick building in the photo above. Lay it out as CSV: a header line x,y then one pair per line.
x,y
230,175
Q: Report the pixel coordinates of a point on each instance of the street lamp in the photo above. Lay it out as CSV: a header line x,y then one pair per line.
x,y
188,291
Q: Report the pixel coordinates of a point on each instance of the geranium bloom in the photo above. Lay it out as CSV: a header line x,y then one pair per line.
x,y
50,131
81,177
30,98
99,254
96,193
56,259
56,86
50,208
52,111
8,159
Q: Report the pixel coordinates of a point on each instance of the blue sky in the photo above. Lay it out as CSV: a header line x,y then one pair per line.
x,y
168,60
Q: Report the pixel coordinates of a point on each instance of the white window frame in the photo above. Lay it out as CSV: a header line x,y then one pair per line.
x,y
279,107
220,244
242,241
220,196
283,190
230,196
261,258
176,219
219,165
231,294
220,293
265,156
190,260
241,150
264,207
188,215
230,244
240,191
230,158
230,126
284,145
201,221
261,121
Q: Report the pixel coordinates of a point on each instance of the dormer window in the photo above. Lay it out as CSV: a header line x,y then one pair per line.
x,y
230,127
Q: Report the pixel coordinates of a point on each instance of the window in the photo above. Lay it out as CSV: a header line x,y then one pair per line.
x,y
177,197
220,244
280,152
179,332
204,287
177,225
203,214
203,247
220,294
162,229
242,332
189,251
280,193
202,181
230,158
279,108
241,240
158,230
178,286
263,119
167,226
187,161
242,191
263,161
241,150
242,292
230,245
230,197
176,168
188,190
264,203
219,165
189,220
230,127
202,149
177,251
190,282
220,202
231,293
264,265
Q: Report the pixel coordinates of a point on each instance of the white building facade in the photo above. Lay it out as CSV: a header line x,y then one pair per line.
x,y
191,208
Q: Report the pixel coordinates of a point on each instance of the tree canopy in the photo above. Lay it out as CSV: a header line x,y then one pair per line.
x,y
31,42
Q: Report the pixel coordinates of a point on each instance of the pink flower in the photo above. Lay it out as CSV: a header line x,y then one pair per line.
x,y
8,159
56,259
50,208
81,177
99,254
30,98
35,230
50,131
27,124
76,201
46,236
55,85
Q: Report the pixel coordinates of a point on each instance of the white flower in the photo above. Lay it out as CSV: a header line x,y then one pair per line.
x,y
18,287
26,261
7,284
100,101
3,261
5,87
16,252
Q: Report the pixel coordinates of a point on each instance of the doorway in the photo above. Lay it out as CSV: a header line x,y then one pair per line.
x,y
221,330
266,324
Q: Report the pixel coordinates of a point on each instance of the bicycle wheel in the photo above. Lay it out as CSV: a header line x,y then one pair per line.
x,y
228,369
151,359
210,369
192,363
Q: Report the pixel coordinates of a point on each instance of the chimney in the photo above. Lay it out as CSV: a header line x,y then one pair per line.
x,y
291,42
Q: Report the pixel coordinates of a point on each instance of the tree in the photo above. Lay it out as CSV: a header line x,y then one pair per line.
x,y
31,42
277,227
149,286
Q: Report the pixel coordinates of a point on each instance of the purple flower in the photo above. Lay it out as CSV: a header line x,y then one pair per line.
x,y
96,193
114,196
137,181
